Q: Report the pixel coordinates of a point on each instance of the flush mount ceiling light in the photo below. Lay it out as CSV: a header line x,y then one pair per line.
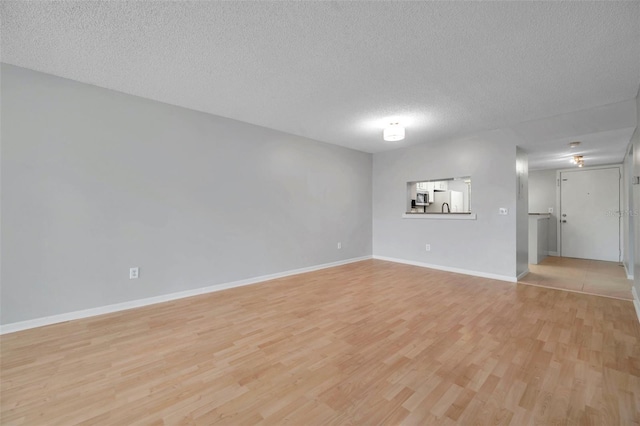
x,y
574,144
578,159
393,132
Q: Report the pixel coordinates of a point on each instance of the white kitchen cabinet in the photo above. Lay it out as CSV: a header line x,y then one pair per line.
x,y
431,187
441,185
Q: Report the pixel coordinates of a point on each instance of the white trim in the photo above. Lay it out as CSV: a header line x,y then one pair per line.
x,y
575,291
629,276
449,269
553,253
636,301
522,274
101,310
455,216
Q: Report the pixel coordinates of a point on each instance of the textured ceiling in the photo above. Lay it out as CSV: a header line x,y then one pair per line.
x,y
336,71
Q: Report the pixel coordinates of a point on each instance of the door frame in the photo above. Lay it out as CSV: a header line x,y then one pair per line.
x,y
628,243
559,205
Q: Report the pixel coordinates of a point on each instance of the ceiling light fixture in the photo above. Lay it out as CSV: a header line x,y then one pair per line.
x,y
578,159
393,132
574,144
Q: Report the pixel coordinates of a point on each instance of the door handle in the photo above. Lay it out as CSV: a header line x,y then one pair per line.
x,y
563,221
564,215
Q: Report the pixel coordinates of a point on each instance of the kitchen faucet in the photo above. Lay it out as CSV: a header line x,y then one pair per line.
x,y
448,209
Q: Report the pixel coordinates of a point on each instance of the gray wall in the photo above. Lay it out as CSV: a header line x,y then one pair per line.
x,y
542,195
487,244
95,181
627,212
635,141
522,212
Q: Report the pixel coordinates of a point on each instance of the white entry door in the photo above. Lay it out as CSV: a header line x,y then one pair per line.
x,y
590,214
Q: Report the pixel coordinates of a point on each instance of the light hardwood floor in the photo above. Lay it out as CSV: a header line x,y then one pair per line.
x,y
581,275
367,343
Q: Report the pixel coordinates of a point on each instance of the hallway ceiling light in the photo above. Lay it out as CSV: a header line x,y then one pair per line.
x,y
578,159
393,132
574,144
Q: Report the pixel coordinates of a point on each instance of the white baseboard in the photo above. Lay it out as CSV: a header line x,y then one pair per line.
x,y
636,301
101,310
522,274
553,253
450,269
629,276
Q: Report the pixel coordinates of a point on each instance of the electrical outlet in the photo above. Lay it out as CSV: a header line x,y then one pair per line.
x,y
550,209
503,211
427,247
134,273
339,246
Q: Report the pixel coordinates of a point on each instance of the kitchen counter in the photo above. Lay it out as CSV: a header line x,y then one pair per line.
x,y
438,213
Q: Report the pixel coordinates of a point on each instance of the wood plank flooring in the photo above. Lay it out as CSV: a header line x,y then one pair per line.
x,y
367,343
582,275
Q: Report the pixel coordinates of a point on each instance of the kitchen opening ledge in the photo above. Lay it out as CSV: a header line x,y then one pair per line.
x,y
454,216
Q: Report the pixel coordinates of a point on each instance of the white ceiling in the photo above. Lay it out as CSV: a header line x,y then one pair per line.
x,y
552,72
